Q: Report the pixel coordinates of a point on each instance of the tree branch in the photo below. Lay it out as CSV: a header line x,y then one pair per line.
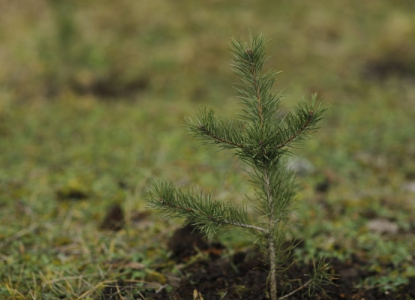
x,y
214,219
310,116
219,139
295,291
246,226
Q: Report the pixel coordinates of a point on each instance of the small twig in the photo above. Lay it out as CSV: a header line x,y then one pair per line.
x,y
141,295
219,139
246,226
310,116
214,219
295,291
161,288
119,292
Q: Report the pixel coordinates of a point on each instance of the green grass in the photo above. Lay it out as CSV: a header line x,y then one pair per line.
x,y
111,147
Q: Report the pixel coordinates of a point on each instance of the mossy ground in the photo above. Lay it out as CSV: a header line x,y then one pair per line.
x,y
92,96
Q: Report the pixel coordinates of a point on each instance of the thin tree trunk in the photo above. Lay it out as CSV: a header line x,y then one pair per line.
x,y
273,273
272,258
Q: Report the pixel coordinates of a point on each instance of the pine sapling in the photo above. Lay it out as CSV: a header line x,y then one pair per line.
x,y
262,139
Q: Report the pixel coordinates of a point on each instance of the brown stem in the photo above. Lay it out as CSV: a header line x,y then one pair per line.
x,y
271,246
310,116
273,273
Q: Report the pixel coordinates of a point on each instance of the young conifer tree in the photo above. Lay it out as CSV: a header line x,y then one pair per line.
x,y
260,138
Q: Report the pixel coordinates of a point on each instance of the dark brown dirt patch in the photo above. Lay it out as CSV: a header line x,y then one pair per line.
x,y
245,276
187,241
114,219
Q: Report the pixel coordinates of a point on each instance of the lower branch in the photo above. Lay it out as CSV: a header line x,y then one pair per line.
x,y
246,226
295,291
214,219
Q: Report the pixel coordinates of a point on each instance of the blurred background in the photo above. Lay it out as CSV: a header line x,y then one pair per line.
x,y
92,95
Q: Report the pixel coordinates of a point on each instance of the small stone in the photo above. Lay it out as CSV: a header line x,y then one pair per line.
x,y
409,186
382,226
300,166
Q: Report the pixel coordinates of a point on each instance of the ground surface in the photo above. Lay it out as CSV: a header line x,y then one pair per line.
x,y
244,276
92,95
